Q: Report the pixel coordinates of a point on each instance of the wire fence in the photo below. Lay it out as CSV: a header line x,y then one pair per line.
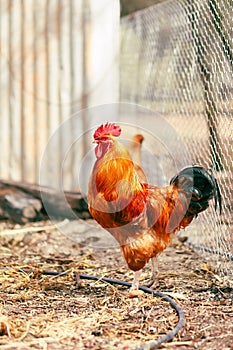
x,y
177,59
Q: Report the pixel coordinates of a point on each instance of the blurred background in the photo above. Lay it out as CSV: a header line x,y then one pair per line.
x,y
57,58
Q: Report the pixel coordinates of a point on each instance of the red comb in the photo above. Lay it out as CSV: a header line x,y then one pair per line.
x,y
108,128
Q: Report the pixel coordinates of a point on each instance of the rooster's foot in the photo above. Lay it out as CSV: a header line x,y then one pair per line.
x,y
152,284
135,293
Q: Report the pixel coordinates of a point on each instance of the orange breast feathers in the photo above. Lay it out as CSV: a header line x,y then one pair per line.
x,y
114,182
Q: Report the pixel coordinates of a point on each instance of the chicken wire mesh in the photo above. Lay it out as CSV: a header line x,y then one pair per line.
x,y
176,59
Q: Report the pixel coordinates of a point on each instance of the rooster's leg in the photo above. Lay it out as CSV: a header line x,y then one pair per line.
x,y
134,291
155,272
154,281
135,283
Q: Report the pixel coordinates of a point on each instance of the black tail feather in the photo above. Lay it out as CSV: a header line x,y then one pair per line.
x,y
200,186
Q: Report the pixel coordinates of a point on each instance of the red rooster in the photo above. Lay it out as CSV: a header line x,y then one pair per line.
x,y
142,217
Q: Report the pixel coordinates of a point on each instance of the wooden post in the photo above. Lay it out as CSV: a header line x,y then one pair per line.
x,y
205,75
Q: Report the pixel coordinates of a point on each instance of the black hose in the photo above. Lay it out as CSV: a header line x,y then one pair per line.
x,y
179,310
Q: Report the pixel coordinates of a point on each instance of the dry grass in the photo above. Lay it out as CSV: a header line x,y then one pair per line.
x,y
44,312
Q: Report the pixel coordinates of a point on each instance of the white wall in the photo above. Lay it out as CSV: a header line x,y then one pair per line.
x,y
44,77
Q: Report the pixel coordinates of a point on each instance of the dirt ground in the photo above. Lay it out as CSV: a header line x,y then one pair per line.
x,y
55,312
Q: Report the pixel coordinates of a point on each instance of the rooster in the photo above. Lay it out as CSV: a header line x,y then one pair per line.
x,y
141,217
